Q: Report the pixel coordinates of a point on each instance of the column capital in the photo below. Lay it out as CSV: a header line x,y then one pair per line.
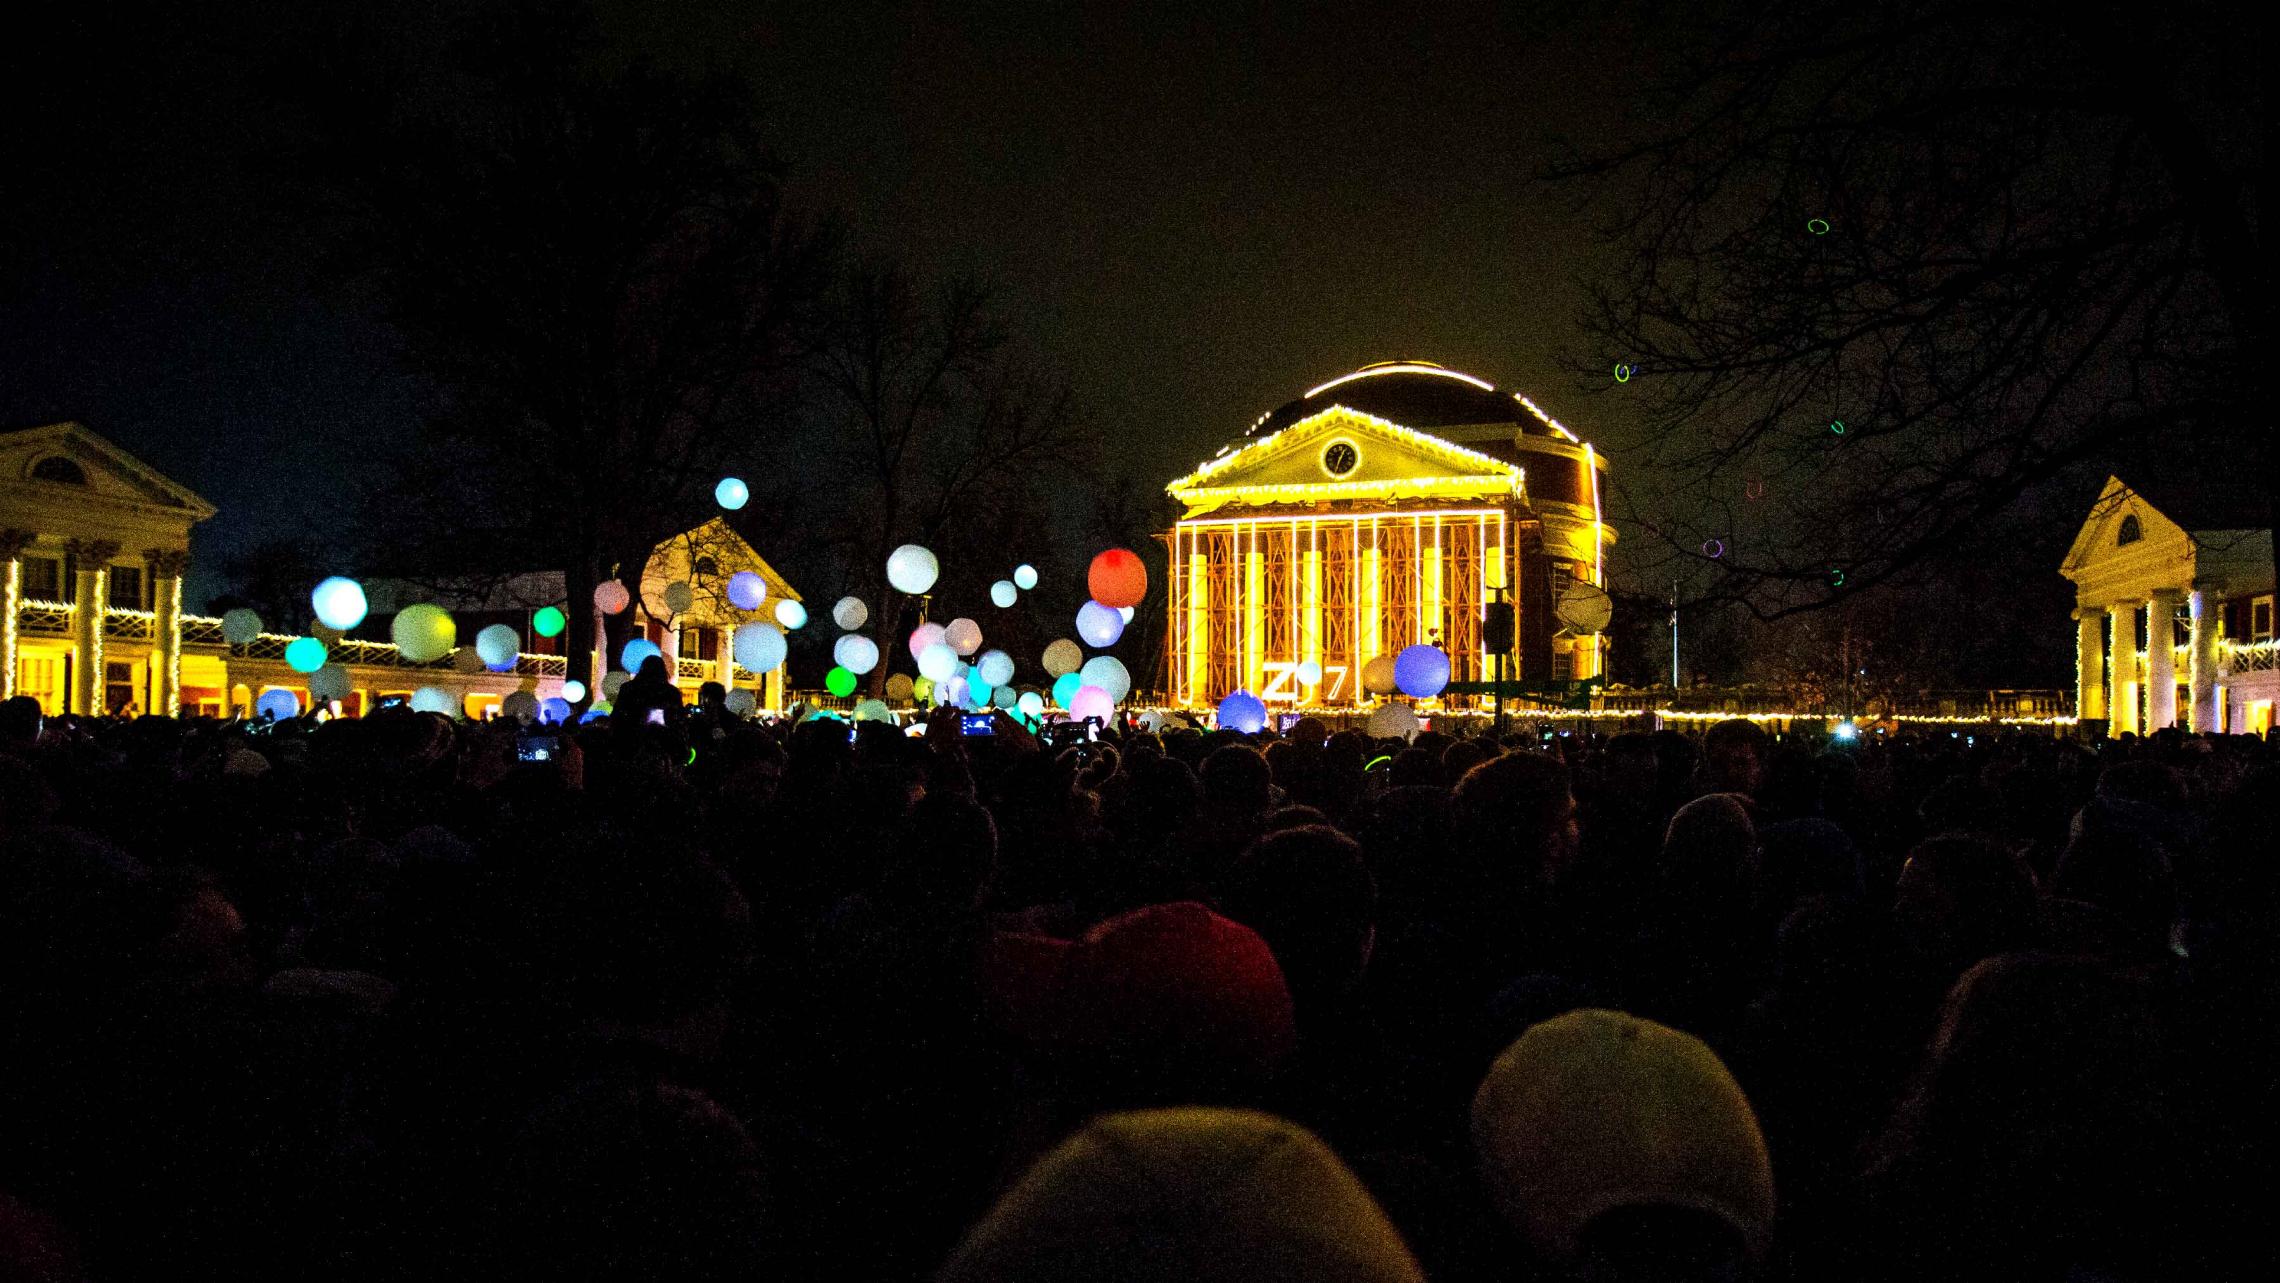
x,y
2171,595
99,551
167,563
2090,612
13,541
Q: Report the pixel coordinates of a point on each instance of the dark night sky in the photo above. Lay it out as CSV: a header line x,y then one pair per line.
x,y
1198,217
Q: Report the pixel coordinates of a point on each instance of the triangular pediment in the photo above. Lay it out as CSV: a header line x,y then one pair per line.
x,y
704,557
2120,509
102,472
1342,453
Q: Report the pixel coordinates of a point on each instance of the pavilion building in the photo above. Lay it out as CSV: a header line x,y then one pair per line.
x,y
2173,613
1383,508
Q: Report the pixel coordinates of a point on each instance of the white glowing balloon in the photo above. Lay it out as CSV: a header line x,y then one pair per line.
x,y
850,614
747,590
996,667
610,597
1309,673
339,603
1031,703
790,614
521,706
433,699
856,653
573,690
1003,594
923,636
938,662
1394,721
1108,674
757,646
613,681
741,701
912,569
240,626
873,710
679,597
1099,625
1127,612
329,683
964,635
497,645
1025,577
1063,656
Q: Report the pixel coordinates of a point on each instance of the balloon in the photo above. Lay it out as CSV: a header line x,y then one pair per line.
x,y
1065,688
305,654
791,614
573,690
638,650
938,662
731,493
278,704
952,692
612,682
964,636
977,694
1063,656
1003,594
741,701
922,690
1309,673
1377,676
1003,696
521,705
850,613
679,596
466,660
856,653
1031,703
839,682
434,699
1106,673
1126,613
610,597
497,645
912,569
1099,625
1117,578
554,710
757,646
996,667
549,621
1394,721
1421,671
339,603
746,590
873,710
1025,577
1242,711
1092,701
424,632
899,687
923,636
329,683
595,712
240,626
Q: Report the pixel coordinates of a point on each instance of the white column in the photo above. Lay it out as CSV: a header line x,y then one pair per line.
x,y
2161,659
2122,618
2090,663
12,545
724,661
91,564
166,567
2203,676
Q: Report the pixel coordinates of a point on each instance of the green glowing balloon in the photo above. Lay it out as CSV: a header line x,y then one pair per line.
x,y
549,621
839,682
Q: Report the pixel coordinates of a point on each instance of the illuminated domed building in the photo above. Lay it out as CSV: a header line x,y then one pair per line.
x,y
1383,508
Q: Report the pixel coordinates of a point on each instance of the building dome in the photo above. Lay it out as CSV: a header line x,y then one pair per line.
x,y
1415,394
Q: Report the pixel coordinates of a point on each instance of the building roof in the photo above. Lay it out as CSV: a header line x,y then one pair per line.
x,y
2232,502
1415,394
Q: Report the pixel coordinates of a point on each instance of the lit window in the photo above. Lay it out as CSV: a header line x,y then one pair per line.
x,y
59,469
2130,532
2260,619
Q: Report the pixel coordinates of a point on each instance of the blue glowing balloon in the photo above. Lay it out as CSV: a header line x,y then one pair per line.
x,y
277,704
856,653
938,662
1003,594
305,654
1107,673
637,650
1421,671
732,494
554,710
1025,577
995,666
339,603
434,699
1099,625
758,647
497,645
977,693
1031,703
1065,688
746,590
791,614
1242,711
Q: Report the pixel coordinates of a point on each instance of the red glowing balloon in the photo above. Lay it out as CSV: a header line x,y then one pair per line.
x,y
1118,578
